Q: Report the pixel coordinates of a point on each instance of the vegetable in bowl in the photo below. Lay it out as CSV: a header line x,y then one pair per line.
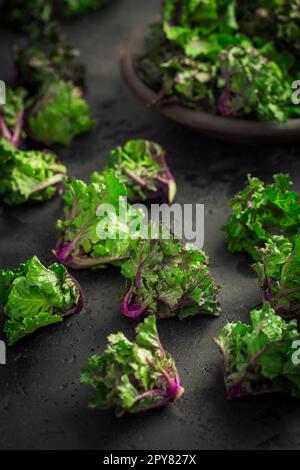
x,y
243,71
278,20
201,56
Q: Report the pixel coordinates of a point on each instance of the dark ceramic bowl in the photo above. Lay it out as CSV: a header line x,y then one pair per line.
x,y
228,129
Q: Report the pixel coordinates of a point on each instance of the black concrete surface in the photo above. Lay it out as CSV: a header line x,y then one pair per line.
x,y
42,404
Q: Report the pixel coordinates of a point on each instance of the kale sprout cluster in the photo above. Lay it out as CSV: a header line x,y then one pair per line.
x,y
227,57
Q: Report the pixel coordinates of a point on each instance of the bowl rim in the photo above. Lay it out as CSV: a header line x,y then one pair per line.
x,y
199,120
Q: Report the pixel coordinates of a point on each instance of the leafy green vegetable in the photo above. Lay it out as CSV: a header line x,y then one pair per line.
x,y
252,86
33,14
158,50
289,25
277,20
278,269
46,58
187,22
98,226
260,211
77,7
141,165
188,82
25,15
133,376
258,358
165,279
34,296
59,114
28,175
12,114
226,57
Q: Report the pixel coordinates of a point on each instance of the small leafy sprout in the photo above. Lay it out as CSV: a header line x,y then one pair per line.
x,y
12,115
260,211
229,57
28,175
188,82
59,113
80,244
34,14
34,296
166,280
187,23
278,269
252,86
133,376
78,7
276,21
158,50
25,15
47,58
141,165
258,358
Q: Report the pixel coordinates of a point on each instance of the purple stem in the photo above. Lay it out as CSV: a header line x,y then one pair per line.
x,y
79,306
130,309
287,314
4,130
162,180
165,182
175,21
172,393
168,185
164,165
268,296
223,108
15,140
62,253
137,179
173,384
85,262
237,389
53,181
285,293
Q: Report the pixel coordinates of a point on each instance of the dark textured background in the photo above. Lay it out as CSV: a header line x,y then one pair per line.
x,y
42,404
